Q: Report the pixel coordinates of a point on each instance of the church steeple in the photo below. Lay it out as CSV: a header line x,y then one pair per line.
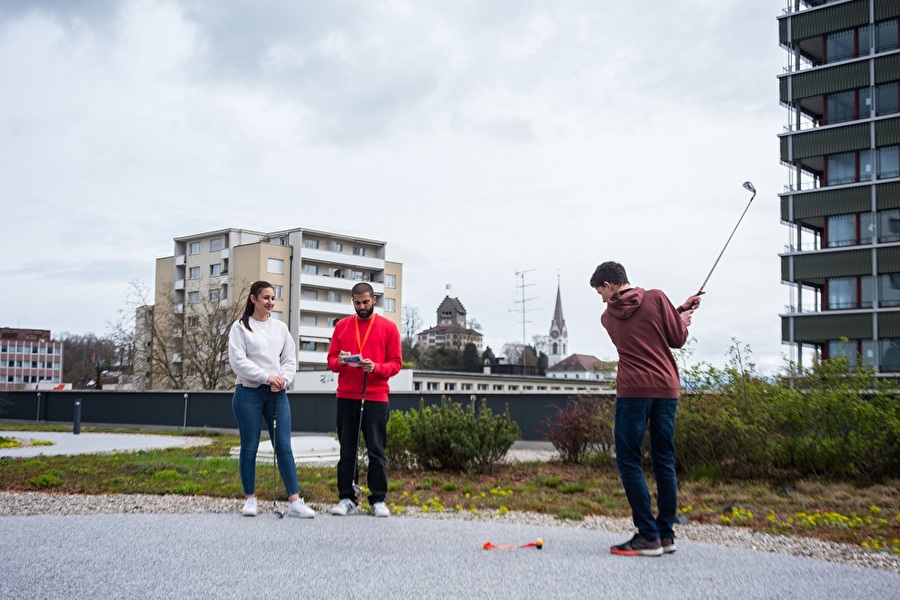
x,y
559,335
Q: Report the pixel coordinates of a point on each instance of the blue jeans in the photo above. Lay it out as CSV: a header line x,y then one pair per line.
x,y
374,432
632,417
251,406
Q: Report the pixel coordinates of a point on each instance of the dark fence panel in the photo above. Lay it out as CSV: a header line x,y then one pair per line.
x,y
310,412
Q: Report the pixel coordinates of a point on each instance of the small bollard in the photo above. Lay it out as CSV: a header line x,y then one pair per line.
x,y
77,428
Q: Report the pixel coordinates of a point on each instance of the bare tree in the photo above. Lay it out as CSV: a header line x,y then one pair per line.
x,y
411,324
181,346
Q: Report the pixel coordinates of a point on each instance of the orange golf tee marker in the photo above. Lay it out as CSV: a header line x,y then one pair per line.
x,y
538,543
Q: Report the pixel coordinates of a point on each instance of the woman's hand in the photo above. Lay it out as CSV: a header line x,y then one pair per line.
x,y
276,383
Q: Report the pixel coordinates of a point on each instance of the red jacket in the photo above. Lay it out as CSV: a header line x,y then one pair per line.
x,y
643,325
381,345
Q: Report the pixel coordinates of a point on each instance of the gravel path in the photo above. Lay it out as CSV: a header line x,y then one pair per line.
x,y
33,503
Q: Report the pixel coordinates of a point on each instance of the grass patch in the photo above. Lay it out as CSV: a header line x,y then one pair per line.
x,y
842,512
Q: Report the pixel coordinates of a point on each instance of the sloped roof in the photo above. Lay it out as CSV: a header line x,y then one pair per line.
x,y
558,321
450,329
582,363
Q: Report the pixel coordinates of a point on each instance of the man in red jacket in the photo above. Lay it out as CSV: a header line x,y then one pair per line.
x,y
372,345
643,325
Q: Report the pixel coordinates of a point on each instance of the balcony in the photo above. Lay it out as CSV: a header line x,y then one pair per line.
x,y
342,258
225,254
179,284
179,260
336,283
341,308
307,357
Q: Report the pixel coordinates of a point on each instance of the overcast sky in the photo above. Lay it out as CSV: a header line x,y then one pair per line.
x,y
478,138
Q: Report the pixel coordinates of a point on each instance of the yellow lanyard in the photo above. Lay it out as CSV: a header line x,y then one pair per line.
x,y
362,343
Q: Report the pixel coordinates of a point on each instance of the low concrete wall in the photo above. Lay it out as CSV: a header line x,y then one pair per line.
x,y
311,412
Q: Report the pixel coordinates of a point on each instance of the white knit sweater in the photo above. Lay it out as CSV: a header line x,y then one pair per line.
x,y
267,350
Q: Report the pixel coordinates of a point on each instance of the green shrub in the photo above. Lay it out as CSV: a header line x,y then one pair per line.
x,y
45,480
398,450
450,437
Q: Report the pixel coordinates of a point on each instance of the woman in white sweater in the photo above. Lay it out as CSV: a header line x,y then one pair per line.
x,y
262,353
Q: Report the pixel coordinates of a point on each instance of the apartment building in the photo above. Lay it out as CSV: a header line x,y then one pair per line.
x,y
841,146
29,359
205,284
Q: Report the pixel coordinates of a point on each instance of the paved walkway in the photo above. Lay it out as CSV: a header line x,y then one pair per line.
x,y
151,556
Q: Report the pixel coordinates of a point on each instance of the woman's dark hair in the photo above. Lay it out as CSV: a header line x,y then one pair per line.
x,y
255,288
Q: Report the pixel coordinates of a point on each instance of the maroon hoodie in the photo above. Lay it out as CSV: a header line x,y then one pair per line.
x,y
643,325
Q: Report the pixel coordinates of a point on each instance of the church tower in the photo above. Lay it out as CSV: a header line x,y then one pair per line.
x,y
559,336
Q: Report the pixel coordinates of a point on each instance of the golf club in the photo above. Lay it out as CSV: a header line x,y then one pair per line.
x,y
362,404
749,187
277,512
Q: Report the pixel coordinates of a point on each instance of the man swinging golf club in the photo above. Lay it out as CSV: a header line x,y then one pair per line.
x,y
364,352
643,325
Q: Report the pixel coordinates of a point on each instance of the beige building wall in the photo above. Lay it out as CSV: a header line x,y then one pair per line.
x,y
393,295
252,263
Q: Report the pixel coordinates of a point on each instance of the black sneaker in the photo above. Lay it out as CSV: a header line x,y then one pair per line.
x,y
668,544
638,546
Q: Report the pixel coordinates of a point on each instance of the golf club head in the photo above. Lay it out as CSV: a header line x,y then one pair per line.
x,y
749,187
279,514
357,489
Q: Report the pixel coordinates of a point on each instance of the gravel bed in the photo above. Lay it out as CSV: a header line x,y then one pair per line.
x,y
36,503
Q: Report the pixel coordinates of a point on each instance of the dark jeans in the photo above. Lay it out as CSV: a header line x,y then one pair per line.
x,y
251,406
632,418
374,432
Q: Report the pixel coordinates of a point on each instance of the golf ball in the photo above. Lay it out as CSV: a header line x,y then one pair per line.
x,y
539,543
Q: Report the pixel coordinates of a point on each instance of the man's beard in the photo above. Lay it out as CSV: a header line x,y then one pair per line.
x,y
363,313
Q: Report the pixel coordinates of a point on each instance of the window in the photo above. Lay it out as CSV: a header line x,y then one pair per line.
x,y
841,230
841,107
839,45
333,296
866,291
390,305
213,295
194,273
886,35
279,292
335,246
278,315
193,297
215,244
432,386
890,355
275,266
311,269
846,349
466,387
889,289
841,292
312,244
390,281
193,321
309,294
215,270
308,346
308,320
887,99
498,387
889,226
194,248
358,275
449,387
359,251
482,387
888,162
841,168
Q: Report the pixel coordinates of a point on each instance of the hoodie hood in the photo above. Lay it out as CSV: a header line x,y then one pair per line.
x,y
626,304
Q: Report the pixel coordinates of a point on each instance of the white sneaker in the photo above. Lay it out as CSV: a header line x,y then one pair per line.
x,y
249,509
380,509
344,508
299,509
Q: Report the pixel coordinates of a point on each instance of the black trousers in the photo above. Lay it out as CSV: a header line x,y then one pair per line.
x,y
374,434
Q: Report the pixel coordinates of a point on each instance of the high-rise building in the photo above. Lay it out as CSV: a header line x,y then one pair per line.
x,y
203,287
29,358
841,145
